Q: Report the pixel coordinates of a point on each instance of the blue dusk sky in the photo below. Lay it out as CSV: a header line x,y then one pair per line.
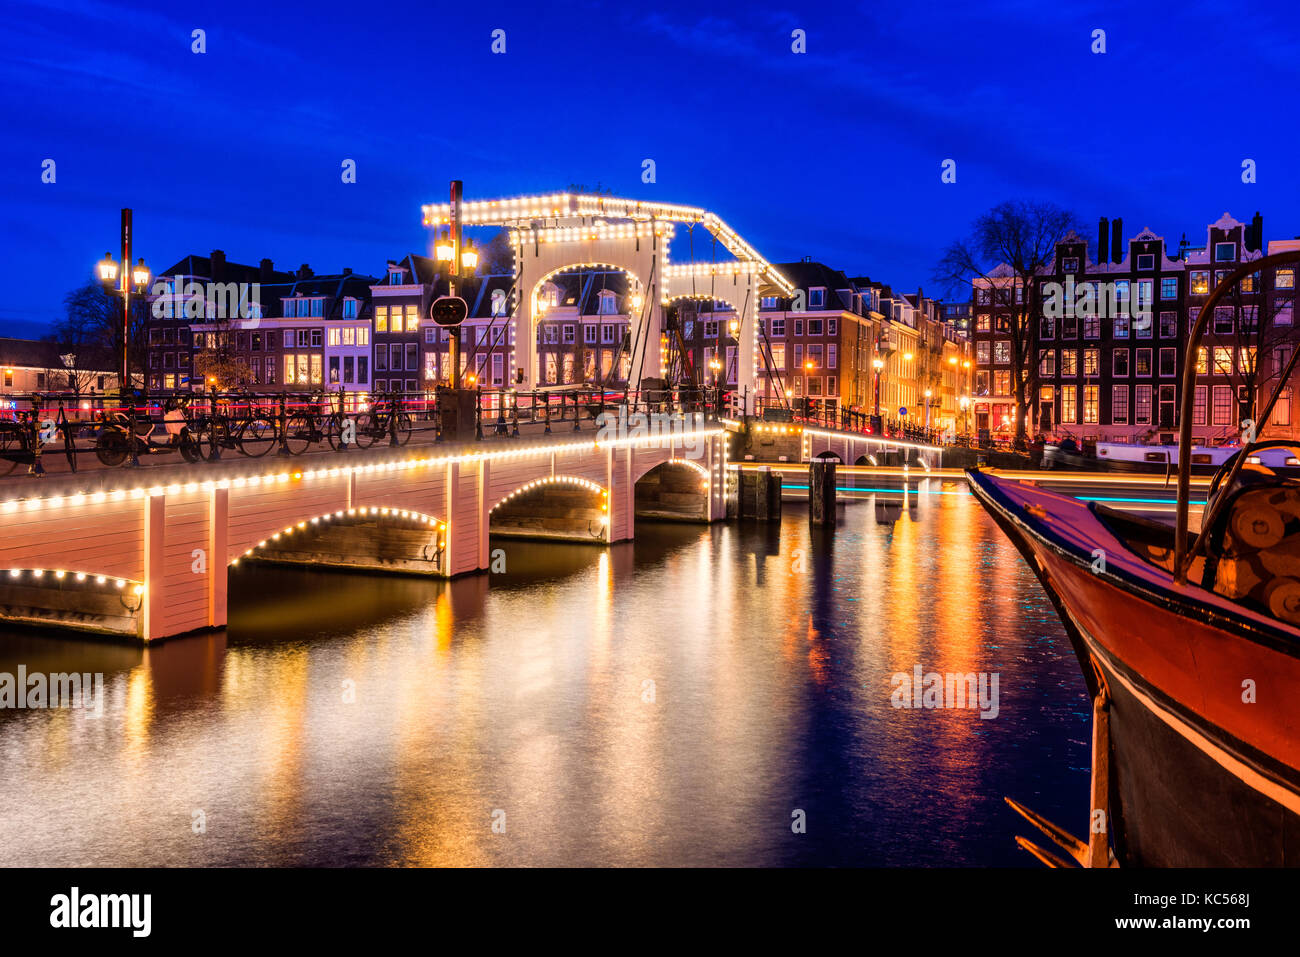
x,y
835,153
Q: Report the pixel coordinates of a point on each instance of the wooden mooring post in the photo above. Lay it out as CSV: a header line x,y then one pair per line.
x,y
821,491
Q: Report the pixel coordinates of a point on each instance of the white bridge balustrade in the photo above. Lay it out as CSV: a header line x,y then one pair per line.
x,y
144,553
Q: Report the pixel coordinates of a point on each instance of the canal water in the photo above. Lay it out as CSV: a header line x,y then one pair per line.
x,y
703,696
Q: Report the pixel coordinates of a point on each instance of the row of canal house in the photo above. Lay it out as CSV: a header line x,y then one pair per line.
x,y
1113,372
271,330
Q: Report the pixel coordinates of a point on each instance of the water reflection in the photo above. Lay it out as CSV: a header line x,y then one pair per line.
x,y
670,701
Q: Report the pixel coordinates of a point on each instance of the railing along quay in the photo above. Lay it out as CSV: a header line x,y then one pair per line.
x,y
67,432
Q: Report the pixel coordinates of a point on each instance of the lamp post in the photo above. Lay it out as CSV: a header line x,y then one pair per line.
x,y
716,366
459,257
877,364
964,402
928,393
120,279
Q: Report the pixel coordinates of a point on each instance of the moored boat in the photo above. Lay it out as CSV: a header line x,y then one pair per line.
x,y
1189,645
1199,774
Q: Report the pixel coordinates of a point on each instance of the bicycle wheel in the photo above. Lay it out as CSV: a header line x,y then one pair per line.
x,y
336,427
367,430
403,428
299,432
111,447
256,436
192,446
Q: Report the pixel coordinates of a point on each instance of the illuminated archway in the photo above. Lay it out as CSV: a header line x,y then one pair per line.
x,y
394,539
635,301
675,490
558,507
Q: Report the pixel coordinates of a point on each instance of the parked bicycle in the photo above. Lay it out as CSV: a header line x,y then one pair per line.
x,y
127,433
384,420
306,428
239,424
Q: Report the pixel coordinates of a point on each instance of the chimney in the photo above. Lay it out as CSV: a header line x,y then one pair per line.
x,y
1255,233
304,272
1103,240
347,270
265,268
218,261
1117,240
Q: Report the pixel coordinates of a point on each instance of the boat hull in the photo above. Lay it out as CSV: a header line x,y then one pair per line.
x,y
1200,777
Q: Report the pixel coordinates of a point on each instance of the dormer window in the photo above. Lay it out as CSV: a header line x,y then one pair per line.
x,y
816,297
349,308
1225,252
608,304
769,302
396,276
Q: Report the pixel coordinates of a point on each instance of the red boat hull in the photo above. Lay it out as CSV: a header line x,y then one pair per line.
x,y
1204,716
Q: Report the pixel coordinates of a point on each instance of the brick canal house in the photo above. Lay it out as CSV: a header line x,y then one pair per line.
x,y
819,344
584,337
416,352
221,325
1112,371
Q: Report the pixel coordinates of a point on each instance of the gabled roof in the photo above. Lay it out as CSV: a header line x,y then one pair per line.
x,y
201,266
334,288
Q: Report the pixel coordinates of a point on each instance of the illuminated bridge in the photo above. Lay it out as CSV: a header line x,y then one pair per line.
x,y
144,552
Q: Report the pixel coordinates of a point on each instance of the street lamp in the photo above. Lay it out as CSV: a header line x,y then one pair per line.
x,y
964,402
443,250
928,393
877,364
469,257
716,366
120,278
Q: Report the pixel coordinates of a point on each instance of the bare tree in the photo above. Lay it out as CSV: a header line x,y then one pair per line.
x,y
92,327
1008,246
216,356
496,258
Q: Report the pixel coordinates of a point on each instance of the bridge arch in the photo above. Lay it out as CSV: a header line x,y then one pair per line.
x,y
638,250
560,507
635,298
380,538
78,600
676,489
